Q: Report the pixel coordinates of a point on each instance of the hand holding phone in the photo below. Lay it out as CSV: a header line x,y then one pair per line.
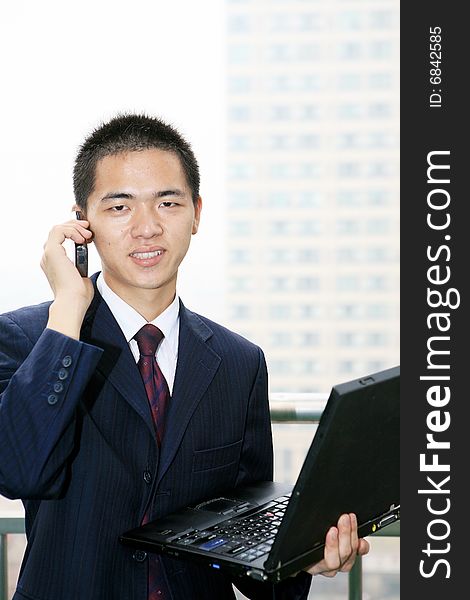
x,y
81,253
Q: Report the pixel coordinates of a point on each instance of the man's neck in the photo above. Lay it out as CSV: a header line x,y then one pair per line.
x,y
150,303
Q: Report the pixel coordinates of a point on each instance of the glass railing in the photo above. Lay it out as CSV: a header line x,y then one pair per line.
x,y
300,413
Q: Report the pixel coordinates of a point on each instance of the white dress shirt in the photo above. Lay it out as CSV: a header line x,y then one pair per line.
x,y
130,321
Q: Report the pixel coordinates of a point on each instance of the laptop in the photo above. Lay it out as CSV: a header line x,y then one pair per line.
x,y
269,531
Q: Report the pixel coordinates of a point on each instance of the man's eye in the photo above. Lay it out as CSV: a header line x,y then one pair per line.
x,y
167,204
118,208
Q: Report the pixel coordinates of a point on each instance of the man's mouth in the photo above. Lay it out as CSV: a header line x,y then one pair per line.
x,y
146,255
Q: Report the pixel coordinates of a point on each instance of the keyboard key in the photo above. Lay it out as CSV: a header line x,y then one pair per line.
x,y
236,550
210,545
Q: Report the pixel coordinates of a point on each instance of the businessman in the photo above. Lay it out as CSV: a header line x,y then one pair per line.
x,y
118,404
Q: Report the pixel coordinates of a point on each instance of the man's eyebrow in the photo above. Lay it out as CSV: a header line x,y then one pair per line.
x,y
128,196
170,192
117,196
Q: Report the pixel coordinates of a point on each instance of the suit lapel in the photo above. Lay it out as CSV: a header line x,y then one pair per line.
x,y
117,363
196,367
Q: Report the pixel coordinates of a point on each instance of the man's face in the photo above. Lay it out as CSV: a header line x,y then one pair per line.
x,y
142,217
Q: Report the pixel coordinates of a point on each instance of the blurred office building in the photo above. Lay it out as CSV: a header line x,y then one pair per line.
x,y
313,186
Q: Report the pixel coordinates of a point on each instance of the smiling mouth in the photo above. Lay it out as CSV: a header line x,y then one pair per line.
x,y
146,255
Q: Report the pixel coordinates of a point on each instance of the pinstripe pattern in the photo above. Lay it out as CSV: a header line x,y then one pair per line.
x,y
80,463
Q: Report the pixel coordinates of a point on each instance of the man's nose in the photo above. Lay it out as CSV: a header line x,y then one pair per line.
x,y
146,222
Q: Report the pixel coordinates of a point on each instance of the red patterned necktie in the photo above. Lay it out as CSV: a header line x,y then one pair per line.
x,y
148,338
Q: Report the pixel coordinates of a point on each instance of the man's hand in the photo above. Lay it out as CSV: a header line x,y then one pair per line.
x,y
72,292
341,548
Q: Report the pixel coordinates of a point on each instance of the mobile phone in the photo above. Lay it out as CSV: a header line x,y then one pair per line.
x,y
81,253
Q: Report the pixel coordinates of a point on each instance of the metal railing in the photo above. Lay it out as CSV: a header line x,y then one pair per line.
x,y
285,408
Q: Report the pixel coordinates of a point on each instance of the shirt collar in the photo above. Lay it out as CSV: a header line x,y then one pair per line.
x,y
130,321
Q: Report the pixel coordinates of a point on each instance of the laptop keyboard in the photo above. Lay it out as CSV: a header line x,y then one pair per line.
x,y
246,538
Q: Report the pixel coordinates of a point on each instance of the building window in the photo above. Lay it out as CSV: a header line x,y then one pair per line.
x,y
240,171
239,256
307,284
348,311
240,228
239,84
350,50
308,255
241,284
279,367
241,311
279,227
380,110
380,49
381,19
347,283
346,366
309,112
309,227
279,284
309,199
280,256
242,199
349,198
376,283
373,366
349,111
378,226
308,141
278,142
309,339
348,338
239,142
348,170
278,199
380,80
376,339
280,338
349,81
240,53
280,311
308,311
348,226
378,197
377,311
239,23
240,113
348,255
280,113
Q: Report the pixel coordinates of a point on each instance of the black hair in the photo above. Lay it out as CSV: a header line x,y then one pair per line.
x,y
129,133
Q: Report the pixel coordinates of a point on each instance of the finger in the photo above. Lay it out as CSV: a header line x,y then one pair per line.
x,y
344,539
329,565
73,231
354,536
81,225
363,547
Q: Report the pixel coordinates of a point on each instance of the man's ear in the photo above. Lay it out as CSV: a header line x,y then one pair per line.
x,y
197,214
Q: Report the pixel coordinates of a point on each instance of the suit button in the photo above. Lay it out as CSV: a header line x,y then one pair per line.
x,y
147,477
52,399
140,555
67,361
63,374
58,387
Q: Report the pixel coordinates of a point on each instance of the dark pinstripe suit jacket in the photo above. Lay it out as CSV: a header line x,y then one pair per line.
x,y
77,445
